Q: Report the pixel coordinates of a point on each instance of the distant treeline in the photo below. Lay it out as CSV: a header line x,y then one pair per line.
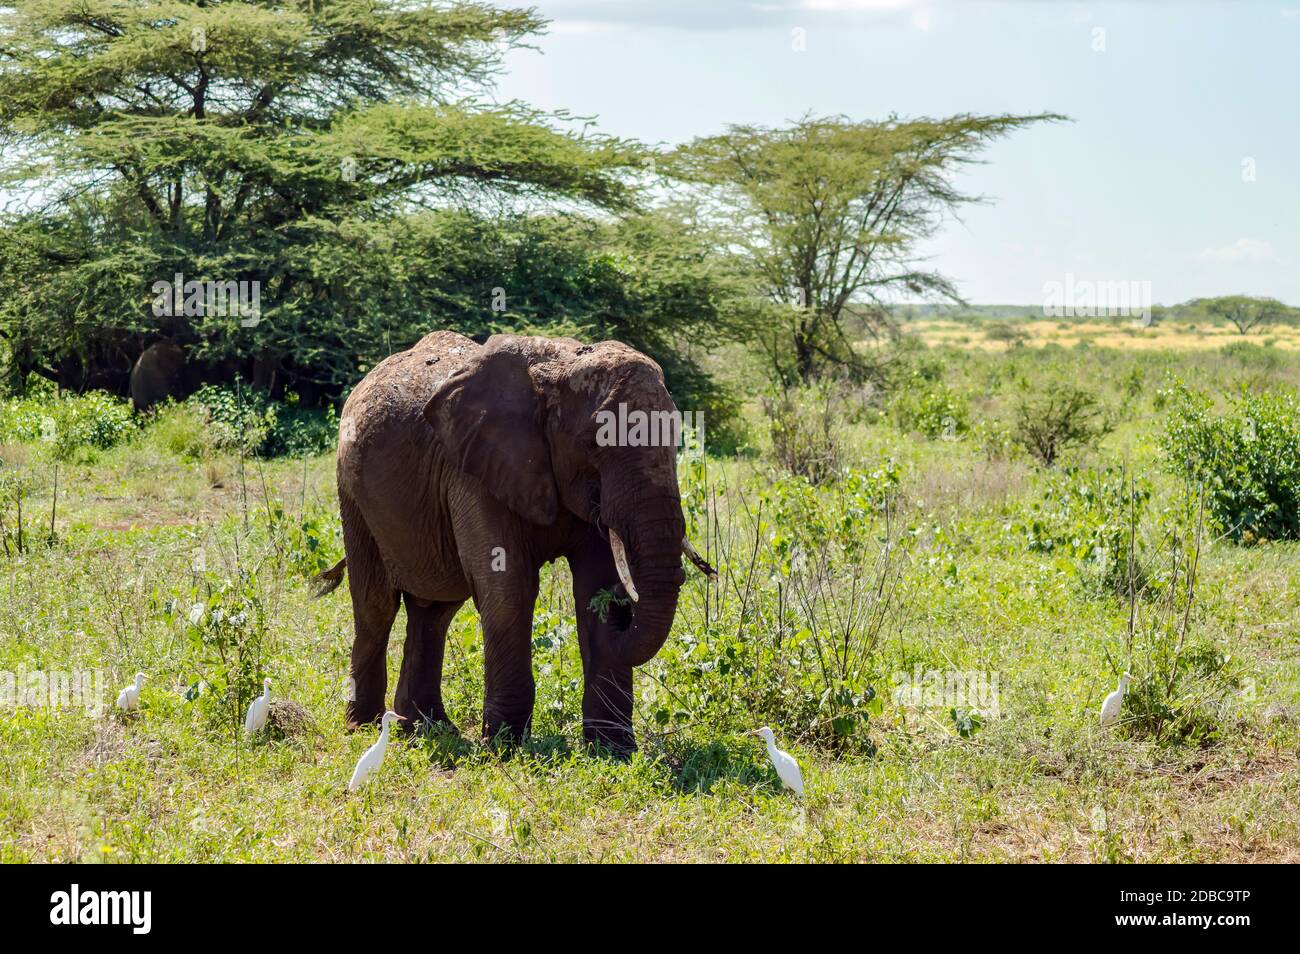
x,y
1199,309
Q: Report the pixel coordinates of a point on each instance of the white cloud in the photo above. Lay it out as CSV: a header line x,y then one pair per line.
x,y
583,27
922,16
839,6
730,14
1253,251
1082,14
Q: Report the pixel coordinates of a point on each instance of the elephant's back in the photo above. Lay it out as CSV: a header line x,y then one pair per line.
x,y
389,465
382,427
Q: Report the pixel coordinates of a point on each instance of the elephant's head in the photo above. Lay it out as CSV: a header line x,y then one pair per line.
x,y
551,425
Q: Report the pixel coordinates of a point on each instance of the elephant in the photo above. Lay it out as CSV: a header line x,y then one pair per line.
x,y
157,374
462,469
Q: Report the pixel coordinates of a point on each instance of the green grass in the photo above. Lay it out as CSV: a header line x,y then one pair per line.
x,y
112,591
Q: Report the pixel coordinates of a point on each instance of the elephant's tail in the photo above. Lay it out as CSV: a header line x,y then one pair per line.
x,y
328,581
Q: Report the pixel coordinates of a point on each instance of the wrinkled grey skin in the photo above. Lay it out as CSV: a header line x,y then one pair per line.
x,y
462,469
157,374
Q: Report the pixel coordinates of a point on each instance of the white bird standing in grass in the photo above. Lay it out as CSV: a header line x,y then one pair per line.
x,y
1114,702
373,757
128,700
786,767
257,710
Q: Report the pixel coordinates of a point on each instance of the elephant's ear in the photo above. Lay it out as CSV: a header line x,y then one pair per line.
x,y
488,416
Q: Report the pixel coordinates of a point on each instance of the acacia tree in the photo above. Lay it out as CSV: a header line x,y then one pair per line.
x,y
1244,312
829,212
288,142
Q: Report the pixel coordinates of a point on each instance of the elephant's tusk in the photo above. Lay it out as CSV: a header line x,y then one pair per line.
x,y
700,563
620,564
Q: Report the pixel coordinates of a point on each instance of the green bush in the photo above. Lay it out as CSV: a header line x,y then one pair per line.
x,y
94,420
806,428
780,653
930,407
1248,460
1088,516
1179,694
228,645
1184,687
182,430
250,419
1013,336
18,531
995,439
298,431
1252,356
309,541
1065,417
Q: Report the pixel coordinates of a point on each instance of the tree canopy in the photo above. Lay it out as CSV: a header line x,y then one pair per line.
x,y
1244,312
346,159
829,212
332,151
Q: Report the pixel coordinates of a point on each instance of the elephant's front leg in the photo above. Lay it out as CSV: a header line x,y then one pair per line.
x,y
505,607
607,707
607,688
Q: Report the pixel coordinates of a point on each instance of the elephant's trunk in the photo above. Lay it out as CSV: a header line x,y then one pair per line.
x,y
651,534
652,619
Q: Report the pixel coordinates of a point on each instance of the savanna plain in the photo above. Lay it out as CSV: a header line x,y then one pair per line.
x,y
926,590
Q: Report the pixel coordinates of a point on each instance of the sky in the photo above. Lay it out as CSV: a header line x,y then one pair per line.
x,y
1180,165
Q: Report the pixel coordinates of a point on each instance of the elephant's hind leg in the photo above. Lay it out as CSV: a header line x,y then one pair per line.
x,y
419,687
374,607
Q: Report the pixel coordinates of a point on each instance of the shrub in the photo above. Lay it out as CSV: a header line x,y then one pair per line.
x,y
228,646
96,419
297,431
240,418
92,421
995,439
1133,383
1252,356
931,408
1248,460
1004,332
1178,693
792,636
805,430
1183,683
182,430
16,529
1066,417
310,543
249,419
1090,516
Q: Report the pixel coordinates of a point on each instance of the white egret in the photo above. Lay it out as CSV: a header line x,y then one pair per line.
x,y
786,767
373,757
257,709
128,700
1114,702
